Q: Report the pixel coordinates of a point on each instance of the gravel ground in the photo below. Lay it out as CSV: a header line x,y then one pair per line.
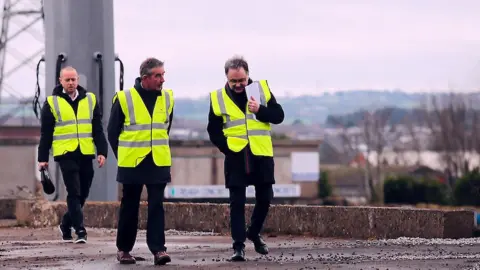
x,y
24,248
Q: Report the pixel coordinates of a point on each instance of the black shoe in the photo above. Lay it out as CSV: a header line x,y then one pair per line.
x,y
260,245
82,238
238,255
66,234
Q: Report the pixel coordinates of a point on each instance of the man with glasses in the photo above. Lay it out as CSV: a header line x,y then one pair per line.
x,y
239,126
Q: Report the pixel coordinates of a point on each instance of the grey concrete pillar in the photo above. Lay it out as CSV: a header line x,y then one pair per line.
x,y
80,30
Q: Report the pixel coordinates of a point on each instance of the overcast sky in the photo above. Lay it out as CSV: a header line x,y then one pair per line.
x,y
301,47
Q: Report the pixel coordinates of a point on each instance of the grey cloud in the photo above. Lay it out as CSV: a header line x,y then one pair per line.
x,y
304,46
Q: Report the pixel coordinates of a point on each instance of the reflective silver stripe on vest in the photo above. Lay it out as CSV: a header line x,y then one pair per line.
x,y
61,123
131,113
90,106
72,122
65,123
145,127
239,122
167,105
240,137
143,144
233,123
254,133
259,133
56,107
84,121
223,110
72,136
221,103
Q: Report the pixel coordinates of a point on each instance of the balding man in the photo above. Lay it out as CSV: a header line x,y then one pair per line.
x,y
71,124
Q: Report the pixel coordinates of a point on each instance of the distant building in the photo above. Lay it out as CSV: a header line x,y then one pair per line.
x,y
428,173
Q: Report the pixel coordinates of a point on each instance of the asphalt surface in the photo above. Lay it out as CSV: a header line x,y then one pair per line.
x,y
25,248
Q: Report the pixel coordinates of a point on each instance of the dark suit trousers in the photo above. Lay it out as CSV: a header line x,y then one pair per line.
x,y
263,198
77,176
128,217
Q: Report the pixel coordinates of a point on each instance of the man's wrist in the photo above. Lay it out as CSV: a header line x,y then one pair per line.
x,y
42,158
260,107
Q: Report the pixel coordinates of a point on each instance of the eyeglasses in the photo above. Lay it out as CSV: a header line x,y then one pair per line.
x,y
234,81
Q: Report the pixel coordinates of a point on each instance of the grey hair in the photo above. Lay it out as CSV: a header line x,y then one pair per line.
x,y
236,62
149,64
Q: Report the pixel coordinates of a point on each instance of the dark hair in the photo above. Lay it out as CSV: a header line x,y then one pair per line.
x,y
149,64
236,62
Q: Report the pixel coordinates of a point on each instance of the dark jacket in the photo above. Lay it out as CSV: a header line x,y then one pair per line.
x,y
146,172
48,126
243,168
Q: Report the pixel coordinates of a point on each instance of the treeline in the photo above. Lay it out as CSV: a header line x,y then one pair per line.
x,y
396,116
402,116
465,191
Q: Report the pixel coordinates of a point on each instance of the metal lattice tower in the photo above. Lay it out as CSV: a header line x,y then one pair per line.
x,y
21,27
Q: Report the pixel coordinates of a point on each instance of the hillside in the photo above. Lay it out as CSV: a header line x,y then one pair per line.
x,y
309,109
316,109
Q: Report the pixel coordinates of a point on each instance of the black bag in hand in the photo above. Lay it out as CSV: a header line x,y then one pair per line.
x,y
47,184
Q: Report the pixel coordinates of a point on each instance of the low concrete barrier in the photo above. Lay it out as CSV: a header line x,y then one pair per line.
x,y
320,221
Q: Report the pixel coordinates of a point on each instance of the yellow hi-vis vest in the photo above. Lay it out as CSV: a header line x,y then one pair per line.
x,y
70,129
240,129
141,133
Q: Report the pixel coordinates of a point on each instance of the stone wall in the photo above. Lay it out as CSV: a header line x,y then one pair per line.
x,y
321,221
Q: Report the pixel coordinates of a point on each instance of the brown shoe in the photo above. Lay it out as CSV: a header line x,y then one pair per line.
x,y
125,258
161,258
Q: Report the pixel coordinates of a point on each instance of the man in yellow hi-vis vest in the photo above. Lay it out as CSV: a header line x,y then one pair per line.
x,y
71,124
239,126
138,129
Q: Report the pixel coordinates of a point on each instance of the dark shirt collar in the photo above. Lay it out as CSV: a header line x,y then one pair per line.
x,y
140,89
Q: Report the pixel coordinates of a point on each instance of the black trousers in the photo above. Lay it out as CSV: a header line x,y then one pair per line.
x,y
263,198
77,176
128,217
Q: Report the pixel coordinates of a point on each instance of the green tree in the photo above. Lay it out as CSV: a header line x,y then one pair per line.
x,y
467,189
324,187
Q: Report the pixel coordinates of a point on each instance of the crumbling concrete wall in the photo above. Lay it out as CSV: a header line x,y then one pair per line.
x,y
17,167
321,221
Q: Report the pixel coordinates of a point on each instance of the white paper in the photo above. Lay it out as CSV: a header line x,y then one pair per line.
x,y
253,90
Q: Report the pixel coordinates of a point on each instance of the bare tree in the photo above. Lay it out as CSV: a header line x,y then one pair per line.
x,y
454,122
380,134
412,137
376,133
413,127
347,143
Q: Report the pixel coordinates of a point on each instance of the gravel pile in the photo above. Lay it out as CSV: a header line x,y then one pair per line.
x,y
105,231
474,267
430,242
183,233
